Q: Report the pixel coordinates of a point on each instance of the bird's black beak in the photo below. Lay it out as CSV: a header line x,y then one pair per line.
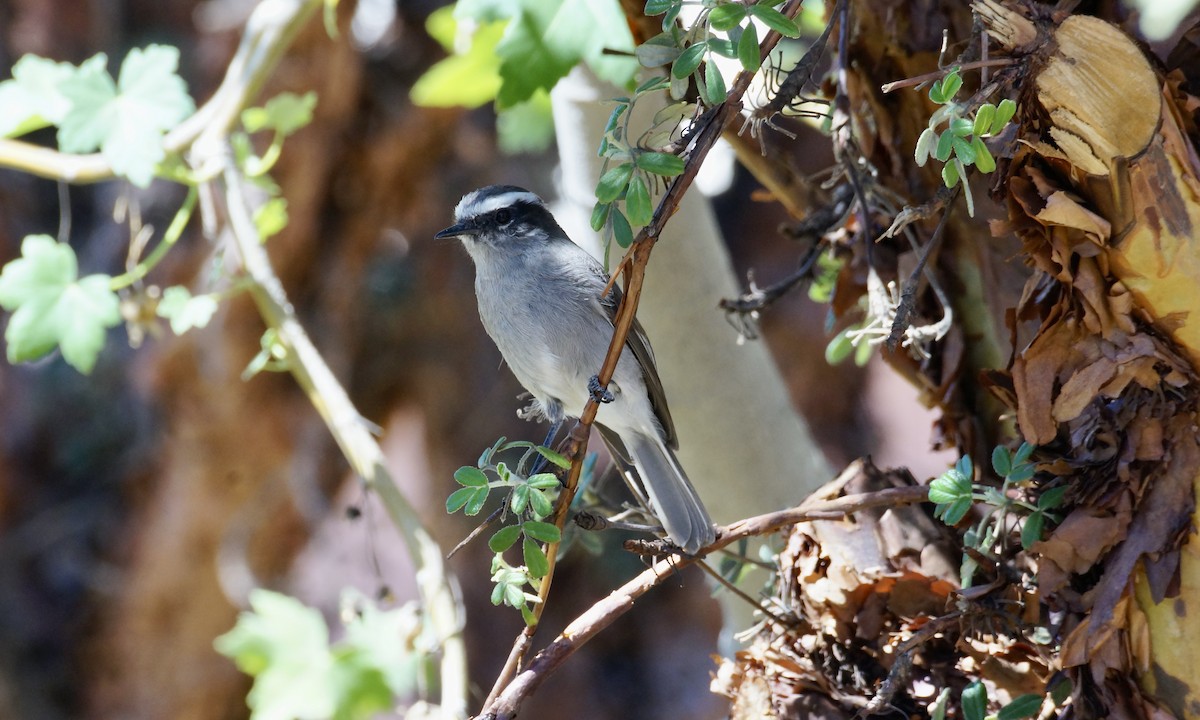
x,y
456,230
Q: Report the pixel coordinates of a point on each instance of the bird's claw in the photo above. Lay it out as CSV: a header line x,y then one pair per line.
x,y
599,393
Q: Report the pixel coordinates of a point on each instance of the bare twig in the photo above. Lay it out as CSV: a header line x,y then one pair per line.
x,y
939,74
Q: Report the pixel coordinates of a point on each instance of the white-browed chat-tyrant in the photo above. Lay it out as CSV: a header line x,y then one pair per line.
x,y
540,301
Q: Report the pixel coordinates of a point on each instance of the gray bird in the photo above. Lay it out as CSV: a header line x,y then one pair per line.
x,y
539,299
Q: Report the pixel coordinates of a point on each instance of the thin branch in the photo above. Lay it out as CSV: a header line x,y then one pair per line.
x,y
939,74
603,613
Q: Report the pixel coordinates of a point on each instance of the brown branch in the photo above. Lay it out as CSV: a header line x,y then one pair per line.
x,y
604,612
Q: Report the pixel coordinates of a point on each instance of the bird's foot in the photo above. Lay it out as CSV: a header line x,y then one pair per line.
x,y
599,393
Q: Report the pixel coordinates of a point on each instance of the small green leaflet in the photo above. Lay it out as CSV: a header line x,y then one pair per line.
x,y
185,311
125,120
52,308
285,113
31,99
637,202
527,126
535,558
660,163
974,701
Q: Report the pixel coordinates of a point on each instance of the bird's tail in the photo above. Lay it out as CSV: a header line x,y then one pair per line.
x,y
671,493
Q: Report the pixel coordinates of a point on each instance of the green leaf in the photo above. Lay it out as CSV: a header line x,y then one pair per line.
x,y
688,60
539,503
657,51
1001,460
654,84
378,641
470,477
546,38
1060,690
613,182
983,157
1025,706
185,311
1031,531
927,140
545,532
519,499
954,512
937,708
983,119
544,481
622,232
555,457
637,202
664,164
974,701
961,127
950,486
31,99
513,596
1004,112
964,151
1052,498
126,120
504,538
775,20
944,147
527,126
1023,453
714,85
944,90
470,79
600,215
1022,472
459,499
950,174
285,113
722,47
726,17
285,646
658,7
748,53
535,559
270,218
478,497
52,308
838,349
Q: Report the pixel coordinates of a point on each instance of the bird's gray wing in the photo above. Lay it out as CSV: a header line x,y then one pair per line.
x,y
639,345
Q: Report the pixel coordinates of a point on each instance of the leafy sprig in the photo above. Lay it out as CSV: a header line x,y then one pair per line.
x,y
954,494
528,500
962,143
633,167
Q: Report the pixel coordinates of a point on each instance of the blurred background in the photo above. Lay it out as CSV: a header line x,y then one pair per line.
x,y
139,505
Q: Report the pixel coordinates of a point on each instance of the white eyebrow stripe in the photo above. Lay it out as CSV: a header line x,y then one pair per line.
x,y
471,206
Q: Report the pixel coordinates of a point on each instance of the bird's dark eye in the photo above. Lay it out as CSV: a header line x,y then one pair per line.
x,y
503,217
